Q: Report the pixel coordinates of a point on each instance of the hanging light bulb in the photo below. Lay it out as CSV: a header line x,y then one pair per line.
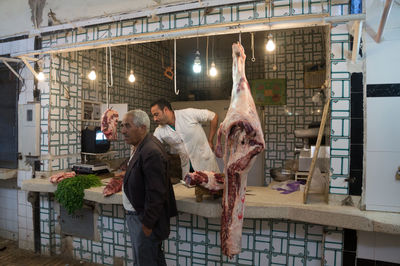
x,y
270,44
197,63
40,76
92,74
131,77
213,70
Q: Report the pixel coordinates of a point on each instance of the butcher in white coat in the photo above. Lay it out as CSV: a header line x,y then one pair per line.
x,y
181,130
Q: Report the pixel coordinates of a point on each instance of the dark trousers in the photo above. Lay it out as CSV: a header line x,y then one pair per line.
x,y
147,250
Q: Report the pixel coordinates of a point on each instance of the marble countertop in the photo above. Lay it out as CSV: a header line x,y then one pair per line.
x,y
262,202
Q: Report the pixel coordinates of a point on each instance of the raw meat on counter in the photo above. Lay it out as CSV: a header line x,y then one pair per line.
x,y
109,123
209,180
243,141
57,178
114,186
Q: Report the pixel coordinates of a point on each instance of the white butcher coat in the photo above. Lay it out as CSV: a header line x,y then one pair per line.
x,y
189,140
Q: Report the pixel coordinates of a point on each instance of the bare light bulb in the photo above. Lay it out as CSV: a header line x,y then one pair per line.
x,y
213,70
40,76
197,63
270,44
131,77
92,74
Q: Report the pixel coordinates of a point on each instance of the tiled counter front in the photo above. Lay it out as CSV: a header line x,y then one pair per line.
x,y
195,240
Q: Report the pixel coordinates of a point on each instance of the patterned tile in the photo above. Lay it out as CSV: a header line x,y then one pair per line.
x,y
195,240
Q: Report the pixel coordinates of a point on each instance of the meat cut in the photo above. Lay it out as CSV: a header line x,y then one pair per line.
x,y
57,178
207,179
109,123
114,186
243,141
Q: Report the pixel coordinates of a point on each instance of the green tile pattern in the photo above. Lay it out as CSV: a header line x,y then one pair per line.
x,y
59,137
340,109
194,240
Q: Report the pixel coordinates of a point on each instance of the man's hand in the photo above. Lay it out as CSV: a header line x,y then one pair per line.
x,y
146,231
120,174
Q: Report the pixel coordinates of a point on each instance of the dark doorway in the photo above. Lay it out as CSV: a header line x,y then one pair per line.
x,y
8,118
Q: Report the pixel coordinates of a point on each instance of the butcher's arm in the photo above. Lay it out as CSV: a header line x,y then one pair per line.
x,y
180,148
177,144
213,130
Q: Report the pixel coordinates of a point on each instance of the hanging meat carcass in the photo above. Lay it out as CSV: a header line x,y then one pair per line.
x,y
243,141
109,123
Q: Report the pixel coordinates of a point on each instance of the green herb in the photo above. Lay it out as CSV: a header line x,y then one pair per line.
x,y
70,191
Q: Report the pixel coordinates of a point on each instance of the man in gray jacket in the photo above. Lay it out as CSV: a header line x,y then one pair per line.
x,y
148,196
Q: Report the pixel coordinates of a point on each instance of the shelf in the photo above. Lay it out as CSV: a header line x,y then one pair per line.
x,y
99,155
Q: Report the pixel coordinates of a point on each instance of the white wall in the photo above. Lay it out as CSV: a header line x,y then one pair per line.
x,y
25,220
8,214
74,10
383,59
378,246
382,130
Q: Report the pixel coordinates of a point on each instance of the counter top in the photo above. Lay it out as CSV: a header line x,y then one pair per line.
x,y
262,202
8,173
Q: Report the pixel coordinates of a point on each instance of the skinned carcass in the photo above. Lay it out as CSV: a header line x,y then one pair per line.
x,y
243,141
109,123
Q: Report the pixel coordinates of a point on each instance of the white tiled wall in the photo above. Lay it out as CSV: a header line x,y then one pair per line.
x,y
15,211
8,214
378,246
25,221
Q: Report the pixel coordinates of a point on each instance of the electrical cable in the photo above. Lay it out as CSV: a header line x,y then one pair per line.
x,y
207,58
176,91
111,75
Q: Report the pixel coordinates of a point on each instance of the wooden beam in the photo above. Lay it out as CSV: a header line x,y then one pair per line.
x,y
317,146
12,70
28,65
356,40
378,35
8,59
385,13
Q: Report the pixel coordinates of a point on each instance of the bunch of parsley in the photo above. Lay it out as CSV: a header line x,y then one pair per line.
x,y
70,191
